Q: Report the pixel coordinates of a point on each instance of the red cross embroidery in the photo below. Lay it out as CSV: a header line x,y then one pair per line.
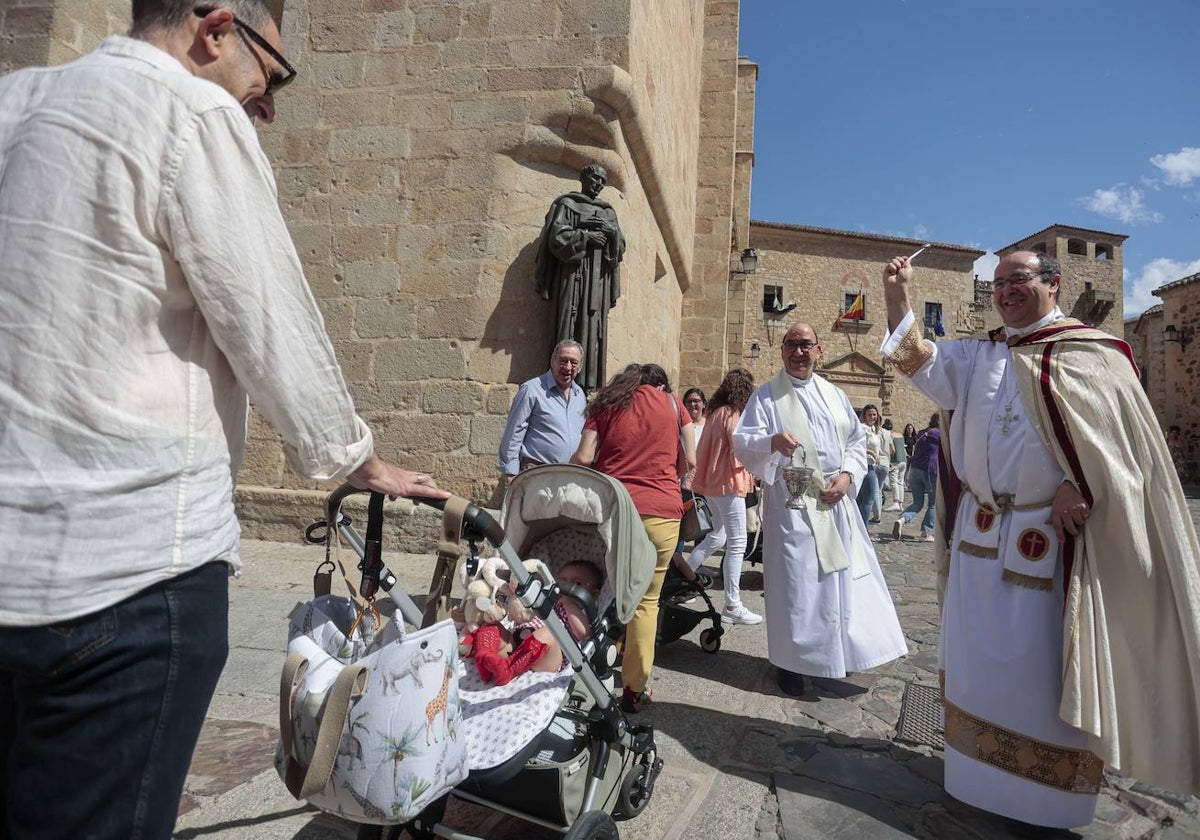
x,y
1033,544
984,520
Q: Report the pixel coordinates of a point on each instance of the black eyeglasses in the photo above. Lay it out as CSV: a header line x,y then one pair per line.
x,y
793,346
1017,280
276,81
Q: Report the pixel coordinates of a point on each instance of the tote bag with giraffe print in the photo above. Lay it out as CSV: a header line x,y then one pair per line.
x,y
369,730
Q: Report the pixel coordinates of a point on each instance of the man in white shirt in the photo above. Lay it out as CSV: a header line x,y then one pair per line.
x,y
149,286
1067,559
829,611
545,420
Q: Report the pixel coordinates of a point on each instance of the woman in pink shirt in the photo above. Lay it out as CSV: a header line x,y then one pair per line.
x,y
724,482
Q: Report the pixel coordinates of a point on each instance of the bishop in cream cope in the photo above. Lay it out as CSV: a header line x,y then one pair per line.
x,y
1065,595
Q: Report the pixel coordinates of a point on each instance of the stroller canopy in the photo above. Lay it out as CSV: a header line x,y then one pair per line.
x,y
565,498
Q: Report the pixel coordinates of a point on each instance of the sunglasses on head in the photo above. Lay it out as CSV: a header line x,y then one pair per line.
x,y
276,80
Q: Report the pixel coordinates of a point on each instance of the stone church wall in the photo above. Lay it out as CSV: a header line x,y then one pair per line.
x,y
723,211
416,155
40,32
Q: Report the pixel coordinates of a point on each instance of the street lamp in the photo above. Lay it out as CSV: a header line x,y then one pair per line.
x,y
1181,337
748,263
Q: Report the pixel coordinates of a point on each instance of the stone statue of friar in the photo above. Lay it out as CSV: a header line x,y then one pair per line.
x,y
578,267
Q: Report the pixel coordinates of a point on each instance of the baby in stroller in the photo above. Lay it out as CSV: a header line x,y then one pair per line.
x,y
552,746
501,656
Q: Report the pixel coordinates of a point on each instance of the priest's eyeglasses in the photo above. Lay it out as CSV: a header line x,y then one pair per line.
x,y
276,80
793,346
1017,280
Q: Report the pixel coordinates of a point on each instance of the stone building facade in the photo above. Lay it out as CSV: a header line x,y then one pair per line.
x,y
822,270
1093,271
1177,365
1144,335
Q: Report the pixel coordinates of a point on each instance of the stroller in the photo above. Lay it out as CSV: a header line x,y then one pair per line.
x,y
676,614
553,749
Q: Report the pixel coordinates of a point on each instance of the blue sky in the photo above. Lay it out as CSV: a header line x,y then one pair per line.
x,y
979,123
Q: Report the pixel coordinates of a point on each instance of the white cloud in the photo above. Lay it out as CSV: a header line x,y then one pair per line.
x,y
1181,168
985,266
1121,202
1154,274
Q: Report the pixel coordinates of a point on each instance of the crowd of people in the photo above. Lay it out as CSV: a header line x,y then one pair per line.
x,y
1055,512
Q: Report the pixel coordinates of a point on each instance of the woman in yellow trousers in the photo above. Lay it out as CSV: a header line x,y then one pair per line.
x,y
633,431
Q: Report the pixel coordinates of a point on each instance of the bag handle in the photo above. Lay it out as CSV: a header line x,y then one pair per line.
x,y
305,781
680,449
449,550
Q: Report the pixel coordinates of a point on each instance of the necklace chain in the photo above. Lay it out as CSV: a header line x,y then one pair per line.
x,y
1008,417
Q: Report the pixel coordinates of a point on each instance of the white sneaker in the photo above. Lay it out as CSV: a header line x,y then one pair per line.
x,y
738,614
897,529
895,506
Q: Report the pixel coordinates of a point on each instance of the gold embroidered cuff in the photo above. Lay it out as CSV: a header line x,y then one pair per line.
x,y
912,352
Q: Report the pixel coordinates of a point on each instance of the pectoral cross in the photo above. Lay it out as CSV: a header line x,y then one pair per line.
x,y
1006,419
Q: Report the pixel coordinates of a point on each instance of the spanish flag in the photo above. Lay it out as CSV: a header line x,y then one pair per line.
x,y
854,312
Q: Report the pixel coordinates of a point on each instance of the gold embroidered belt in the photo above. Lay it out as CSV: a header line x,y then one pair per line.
x,y
1005,501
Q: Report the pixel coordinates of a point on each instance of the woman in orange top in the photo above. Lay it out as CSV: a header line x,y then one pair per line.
x,y
724,482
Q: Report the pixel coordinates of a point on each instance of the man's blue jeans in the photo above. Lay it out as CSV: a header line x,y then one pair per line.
x,y
922,483
99,716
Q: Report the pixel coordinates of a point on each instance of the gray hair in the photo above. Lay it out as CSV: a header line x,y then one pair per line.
x,y
563,345
1047,265
149,15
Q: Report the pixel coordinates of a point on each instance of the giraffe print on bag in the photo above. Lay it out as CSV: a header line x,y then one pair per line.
x,y
438,705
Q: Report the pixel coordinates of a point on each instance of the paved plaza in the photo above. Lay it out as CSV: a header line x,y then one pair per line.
x,y
742,760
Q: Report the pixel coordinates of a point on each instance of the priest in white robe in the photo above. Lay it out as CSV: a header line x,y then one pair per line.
x,y
1070,636
828,608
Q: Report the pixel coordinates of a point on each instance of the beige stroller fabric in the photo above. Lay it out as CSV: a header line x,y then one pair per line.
x,y
546,499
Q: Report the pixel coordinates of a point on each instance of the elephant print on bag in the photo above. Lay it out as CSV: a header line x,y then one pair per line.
x,y
391,682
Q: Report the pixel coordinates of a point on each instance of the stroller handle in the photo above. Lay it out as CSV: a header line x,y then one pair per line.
x,y
475,518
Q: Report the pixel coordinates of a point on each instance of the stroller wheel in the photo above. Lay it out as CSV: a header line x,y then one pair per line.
x,y
594,825
635,792
710,640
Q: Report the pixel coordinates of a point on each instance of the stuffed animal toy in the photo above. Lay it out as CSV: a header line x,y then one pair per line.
x,y
482,630
492,666
493,570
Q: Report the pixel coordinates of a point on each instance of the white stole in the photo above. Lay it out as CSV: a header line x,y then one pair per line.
x,y
831,554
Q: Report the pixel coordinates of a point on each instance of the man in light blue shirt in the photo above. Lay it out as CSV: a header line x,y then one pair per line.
x,y
546,417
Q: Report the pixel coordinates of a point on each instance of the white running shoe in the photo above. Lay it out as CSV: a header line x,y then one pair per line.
x,y
895,506
738,614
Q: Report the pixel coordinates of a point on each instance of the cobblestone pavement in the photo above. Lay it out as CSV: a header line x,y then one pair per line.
x,y
742,759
